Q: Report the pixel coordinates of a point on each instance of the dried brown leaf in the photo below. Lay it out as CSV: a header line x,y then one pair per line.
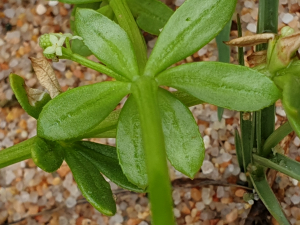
x,y
46,75
257,58
34,95
250,40
290,44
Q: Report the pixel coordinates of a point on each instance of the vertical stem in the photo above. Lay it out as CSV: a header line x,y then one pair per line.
x,y
154,147
127,22
267,22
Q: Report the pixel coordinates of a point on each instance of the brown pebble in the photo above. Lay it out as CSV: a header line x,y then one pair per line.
x,y
63,11
33,209
226,200
232,216
30,163
185,210
294,8
213,222
189,219
274,221
133,221
196,194
63,171
78,74
23,124
56,181
240,192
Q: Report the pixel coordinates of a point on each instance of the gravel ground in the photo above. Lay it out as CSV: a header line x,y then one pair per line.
x,y
31,196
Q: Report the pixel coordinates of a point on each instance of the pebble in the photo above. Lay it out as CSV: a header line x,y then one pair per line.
x,y
71,202
176,212
200,206
9,13
220,192
232,216
248,4
243,177
296,141
117,218
295,199
287,17
226,157
196,194
252,27
240,192
63,220
41,9
207,167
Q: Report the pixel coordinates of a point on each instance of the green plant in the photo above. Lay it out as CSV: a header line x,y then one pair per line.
x,y
153,124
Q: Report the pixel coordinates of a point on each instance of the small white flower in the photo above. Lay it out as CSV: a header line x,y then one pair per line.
x,y
57,41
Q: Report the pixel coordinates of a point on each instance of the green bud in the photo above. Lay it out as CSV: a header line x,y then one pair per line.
x,y
286,31
44,41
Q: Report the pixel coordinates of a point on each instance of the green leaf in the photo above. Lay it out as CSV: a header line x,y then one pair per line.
x,y
22,93
184,144
191,27
16,153
72,113
280,163
225,85
130,146
186,98
290,99
47,155
99,155
77,1
238,149
91,183
151,15
269,199
80,48
107,11
108,42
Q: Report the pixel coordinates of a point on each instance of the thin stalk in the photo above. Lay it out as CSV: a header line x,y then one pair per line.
x,y
16,153
67,54
240,34
275,138
145,93
267,22
127,22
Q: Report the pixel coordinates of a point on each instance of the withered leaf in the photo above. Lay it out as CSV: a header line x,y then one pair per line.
x,y
257,58
250,40
290,44
46,75
34,95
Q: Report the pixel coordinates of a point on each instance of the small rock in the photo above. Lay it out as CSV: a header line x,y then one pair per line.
x,y
185,210
71,202
248,4
226,200
232,216
295,199
63,171
226,157
196,194
243,177
240,192
287,17
33,209
52,3
41,9
296,141
200,206
9,13
176,212
252,27
188,219
207,167
220,192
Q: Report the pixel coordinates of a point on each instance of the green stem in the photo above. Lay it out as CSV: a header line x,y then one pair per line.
x,y
67,54
247,138
127,22
275,138
145,93
16,153
267,22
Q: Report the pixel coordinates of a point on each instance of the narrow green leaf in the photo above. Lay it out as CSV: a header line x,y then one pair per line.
x,y
247,135
20,89
269,199
108,42
107,11
151,15
105,150
80,48
72,113
186,98
184,144
280,163
225,85
240,49
224,53
16,153
276,137
238,149
109,166
290,99
47,155
130,146
195,18
91,183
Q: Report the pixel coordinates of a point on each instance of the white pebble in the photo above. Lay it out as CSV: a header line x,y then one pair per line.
x,y
116,219
63,220
60,66
207,167
1,42
70,202
226,157
280,111
200,206
179,2
248,4
152,42
53,3
251,27
296,141
220,192
243,177
59,197
33,197
295,199
41,9
202,51
25,197
10,176
206,140
287,17
176,212
9,13
246,18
